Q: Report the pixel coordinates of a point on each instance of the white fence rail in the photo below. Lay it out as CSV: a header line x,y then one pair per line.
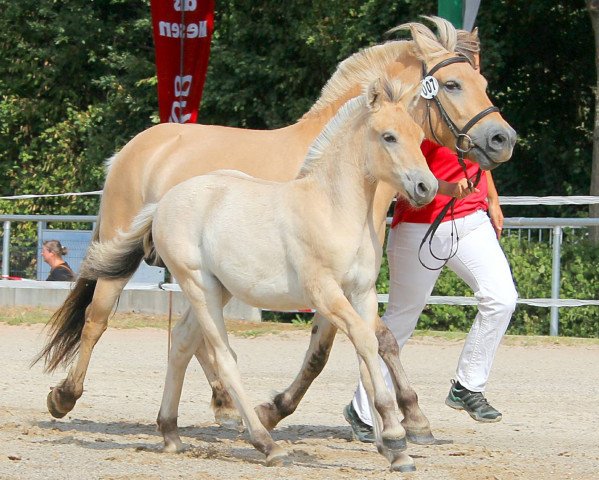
x,y
554,225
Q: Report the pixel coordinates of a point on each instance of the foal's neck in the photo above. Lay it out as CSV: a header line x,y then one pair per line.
x,y
340,174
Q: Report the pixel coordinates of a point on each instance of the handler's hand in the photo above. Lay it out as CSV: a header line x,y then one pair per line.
x,y
496,216
461,189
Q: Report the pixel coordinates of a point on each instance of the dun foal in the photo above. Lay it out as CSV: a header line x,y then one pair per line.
x,y
308,242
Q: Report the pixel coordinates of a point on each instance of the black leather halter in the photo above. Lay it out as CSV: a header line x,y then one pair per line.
x,y
463,145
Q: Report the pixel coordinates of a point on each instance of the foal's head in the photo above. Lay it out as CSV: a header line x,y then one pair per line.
x,y
394,140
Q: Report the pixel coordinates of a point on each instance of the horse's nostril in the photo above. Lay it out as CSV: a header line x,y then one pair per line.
x,y
499,139
421,188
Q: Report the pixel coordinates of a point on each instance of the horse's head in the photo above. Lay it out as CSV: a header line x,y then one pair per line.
x,y
394,141
455,110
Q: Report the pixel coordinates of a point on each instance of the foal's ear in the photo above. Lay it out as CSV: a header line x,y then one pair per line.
x,y
374,95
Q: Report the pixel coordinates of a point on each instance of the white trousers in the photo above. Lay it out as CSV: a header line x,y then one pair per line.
x,y
479,261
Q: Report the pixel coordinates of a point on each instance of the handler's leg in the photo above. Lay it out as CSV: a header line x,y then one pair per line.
x,y
481,263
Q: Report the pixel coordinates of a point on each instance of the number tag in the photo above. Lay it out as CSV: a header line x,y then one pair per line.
x,y
430,87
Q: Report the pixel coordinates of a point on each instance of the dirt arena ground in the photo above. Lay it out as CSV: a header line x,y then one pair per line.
x,y
548,393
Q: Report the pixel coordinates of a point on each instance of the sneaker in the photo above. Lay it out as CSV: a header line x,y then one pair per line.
x,y
361,431
474,403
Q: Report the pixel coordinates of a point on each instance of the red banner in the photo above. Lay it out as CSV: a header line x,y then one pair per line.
x,y
182,33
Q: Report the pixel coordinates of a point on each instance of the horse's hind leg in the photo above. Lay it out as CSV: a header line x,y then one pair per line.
x,y
62,398
285,403
415,423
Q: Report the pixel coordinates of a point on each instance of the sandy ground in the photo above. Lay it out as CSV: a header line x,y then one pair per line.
x,y
549,396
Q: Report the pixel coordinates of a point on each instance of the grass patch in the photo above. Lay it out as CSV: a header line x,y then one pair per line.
x,y
37,315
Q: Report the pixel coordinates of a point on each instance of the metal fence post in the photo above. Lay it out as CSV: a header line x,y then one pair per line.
x,y
6,249
555,279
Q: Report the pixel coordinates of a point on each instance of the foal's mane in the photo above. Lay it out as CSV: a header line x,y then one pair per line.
x,y
394,92
370,63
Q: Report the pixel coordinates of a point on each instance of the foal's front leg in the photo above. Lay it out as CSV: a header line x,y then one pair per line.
x,y
332,303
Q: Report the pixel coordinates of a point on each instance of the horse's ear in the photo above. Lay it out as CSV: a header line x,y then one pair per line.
x,y
374,95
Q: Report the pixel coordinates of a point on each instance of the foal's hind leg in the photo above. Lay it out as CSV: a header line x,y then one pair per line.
x,y
417,426
285,403
205,293
186,339
225,413
62,398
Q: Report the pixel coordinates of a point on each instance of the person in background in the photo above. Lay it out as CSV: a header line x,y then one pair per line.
x,y
52,253
479,261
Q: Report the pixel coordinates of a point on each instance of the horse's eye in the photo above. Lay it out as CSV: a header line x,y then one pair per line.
x,y
452,85
389,138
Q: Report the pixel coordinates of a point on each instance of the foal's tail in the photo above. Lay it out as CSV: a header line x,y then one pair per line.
x,y
120,257
66,325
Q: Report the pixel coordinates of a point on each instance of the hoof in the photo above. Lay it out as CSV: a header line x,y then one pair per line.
x,y
420,437
173,444
395,444
403,463
280,458
173,447
268,414
229,421
57,406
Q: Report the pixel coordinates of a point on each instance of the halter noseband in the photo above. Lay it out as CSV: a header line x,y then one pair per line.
x,y
462,149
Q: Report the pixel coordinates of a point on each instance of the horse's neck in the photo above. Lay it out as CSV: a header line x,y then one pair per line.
x,y
395,60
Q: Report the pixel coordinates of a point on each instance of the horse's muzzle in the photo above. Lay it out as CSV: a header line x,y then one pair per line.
x,y
494,144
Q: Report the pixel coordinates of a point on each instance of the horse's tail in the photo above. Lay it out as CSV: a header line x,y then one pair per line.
x,y
120,257
66,325
67,322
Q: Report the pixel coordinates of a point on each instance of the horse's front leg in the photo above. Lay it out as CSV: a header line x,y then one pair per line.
x,y
417,426
185,341
358,324
285,403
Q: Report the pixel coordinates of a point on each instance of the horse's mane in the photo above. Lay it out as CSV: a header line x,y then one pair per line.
x,y
394,92
370,63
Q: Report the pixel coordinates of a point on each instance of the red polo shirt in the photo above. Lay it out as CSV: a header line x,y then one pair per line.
x,y
444,165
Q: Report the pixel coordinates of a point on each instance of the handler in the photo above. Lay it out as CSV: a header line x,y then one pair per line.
x,y
479,261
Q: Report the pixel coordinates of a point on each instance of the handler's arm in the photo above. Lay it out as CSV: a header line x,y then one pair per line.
x,y
495,212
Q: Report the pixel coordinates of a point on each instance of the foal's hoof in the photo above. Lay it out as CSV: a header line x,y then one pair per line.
x,y
403,463
58,406
229,420
280,458
173,444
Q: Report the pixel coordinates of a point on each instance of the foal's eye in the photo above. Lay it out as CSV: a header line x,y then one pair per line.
x,y
452,85
389,138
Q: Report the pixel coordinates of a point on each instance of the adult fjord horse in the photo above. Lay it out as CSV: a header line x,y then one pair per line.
x,y
284,245
165,155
